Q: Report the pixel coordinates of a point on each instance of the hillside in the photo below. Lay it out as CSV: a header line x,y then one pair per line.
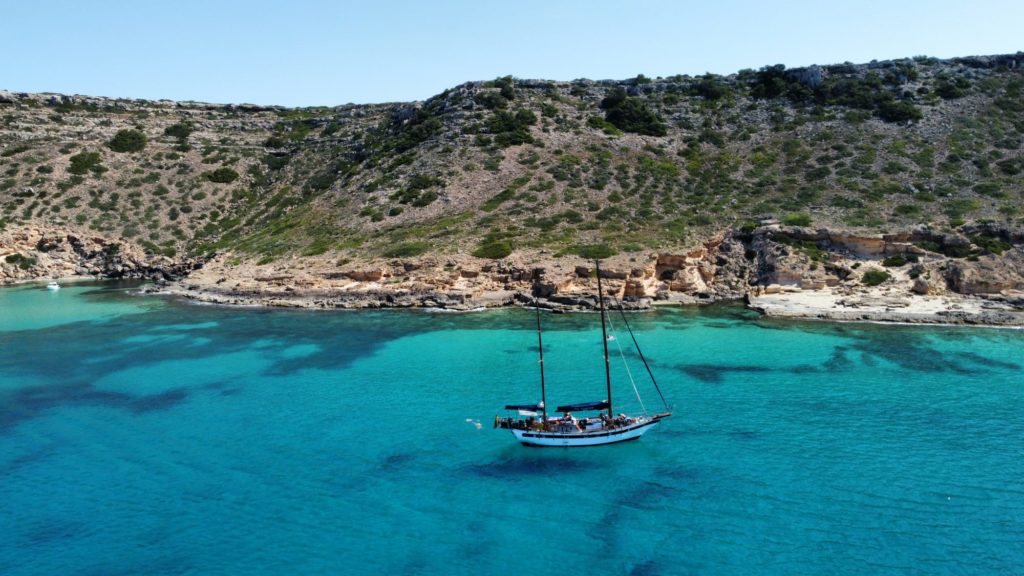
x,y
528,169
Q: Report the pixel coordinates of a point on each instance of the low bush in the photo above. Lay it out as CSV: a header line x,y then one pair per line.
x,y
221,175
875,277
129,140
897,260
631,114
23,262
406,250
796,219
181,130
85,162
593,251
494,249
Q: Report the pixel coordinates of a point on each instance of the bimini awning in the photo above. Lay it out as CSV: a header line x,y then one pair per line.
x,y
584,406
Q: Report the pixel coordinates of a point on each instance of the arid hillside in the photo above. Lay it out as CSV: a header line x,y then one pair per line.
x,y
531,173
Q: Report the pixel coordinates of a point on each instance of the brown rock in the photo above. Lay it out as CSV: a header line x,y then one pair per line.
x,y
365,275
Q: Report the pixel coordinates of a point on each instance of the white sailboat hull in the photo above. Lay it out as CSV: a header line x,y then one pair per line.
x,y
589,438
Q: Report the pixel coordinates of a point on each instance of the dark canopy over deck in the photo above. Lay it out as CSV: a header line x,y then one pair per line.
x,y
583,406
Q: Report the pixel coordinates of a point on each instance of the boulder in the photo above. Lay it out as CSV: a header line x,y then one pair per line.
x,y
984,277
365,275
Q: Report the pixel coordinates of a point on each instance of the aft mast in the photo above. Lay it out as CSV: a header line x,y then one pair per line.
x,y
540,348
604,340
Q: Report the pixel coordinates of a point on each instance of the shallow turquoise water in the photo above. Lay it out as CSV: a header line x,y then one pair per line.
x,y
145,436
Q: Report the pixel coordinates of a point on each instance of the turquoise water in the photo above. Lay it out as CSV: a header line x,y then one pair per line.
x,y
140,435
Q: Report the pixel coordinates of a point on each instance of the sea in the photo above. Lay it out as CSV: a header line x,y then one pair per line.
x,y
141,434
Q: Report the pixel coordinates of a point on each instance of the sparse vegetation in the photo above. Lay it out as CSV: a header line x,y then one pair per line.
x,y
585,168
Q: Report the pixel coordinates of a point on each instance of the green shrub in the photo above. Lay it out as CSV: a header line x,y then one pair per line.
x,y
991,244
420,128
631,114
907,210
898,111
181,130
875,277
221,175
406,250
494,249
276,162
593,251
796,219
497,200
951,88
15,150
23,262
897,260
512,129
85,162
128,140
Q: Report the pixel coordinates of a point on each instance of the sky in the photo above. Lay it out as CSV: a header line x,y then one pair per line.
x,y
327,53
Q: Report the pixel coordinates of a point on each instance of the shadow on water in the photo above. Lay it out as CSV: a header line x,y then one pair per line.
x,y
530,462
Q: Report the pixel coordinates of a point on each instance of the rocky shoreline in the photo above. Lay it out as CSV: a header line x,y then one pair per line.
x,y
783,272
866,306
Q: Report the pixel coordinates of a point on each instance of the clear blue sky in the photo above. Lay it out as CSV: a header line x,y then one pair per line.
x,y
321,52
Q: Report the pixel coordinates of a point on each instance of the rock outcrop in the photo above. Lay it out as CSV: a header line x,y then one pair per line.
x,y
38,252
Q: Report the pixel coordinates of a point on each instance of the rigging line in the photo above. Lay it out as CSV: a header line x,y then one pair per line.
x,y
629,372
636,345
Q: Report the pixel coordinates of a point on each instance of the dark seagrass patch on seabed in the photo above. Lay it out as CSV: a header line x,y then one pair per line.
x,y
715,373
396,462
27,459
838,361
645,568
913,352
51,532
27,403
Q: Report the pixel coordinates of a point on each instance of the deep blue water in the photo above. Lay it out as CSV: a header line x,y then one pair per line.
x,y
140,435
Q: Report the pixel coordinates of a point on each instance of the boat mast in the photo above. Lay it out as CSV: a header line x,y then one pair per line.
x,y
604,341
540,347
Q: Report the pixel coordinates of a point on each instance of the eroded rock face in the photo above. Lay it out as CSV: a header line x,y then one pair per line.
x,y
40,252
864,246
987,275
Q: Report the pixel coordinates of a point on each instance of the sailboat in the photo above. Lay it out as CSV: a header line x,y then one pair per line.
x,y
532,426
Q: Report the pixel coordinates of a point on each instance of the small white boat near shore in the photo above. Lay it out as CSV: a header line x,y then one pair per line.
x,y
53,285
